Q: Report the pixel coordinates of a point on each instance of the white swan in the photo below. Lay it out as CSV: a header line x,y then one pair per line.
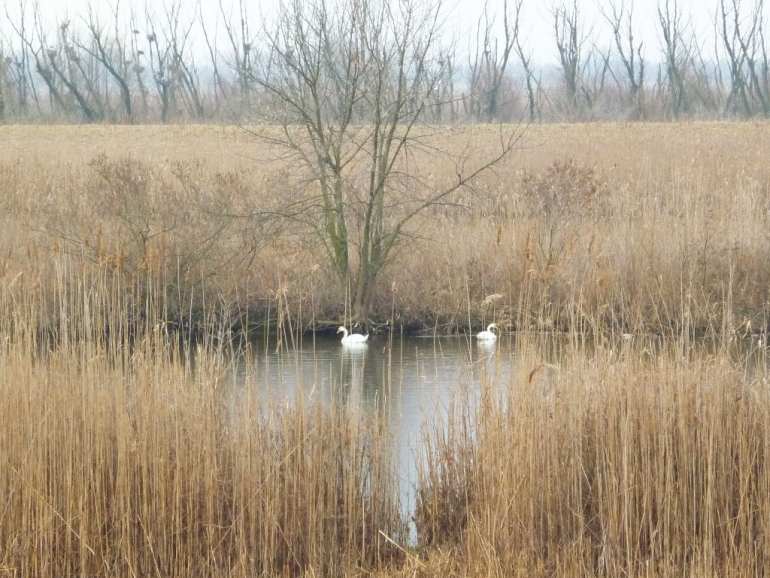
x,y
487,335
353,338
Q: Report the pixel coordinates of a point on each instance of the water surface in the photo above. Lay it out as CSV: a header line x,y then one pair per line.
x,y
410,379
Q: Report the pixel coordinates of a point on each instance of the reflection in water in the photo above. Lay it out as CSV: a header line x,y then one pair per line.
x,y
408,379
412,380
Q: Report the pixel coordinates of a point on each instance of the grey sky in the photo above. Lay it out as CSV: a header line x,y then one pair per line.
x,y
463,16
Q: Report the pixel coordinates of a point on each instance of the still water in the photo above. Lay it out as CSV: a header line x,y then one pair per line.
x,y
411,379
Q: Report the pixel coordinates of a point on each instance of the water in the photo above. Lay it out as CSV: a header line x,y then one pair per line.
x,y
412,379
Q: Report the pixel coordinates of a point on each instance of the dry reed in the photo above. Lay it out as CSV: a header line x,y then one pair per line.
x,y
123,453
645,456
648,227
633,461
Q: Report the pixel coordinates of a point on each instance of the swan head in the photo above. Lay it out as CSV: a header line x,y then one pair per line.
x,y
491,326
341,330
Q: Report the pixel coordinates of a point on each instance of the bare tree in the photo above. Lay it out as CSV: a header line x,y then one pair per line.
x,y
182,70
16,83
594,75
159,64
348,82
489,62
735,61
526,62
620,17
22,68
112,53
40,55
675,53
5,62
443,98
764,64
211,46
752,48
139,64
242,59
80,81
704,81
570,39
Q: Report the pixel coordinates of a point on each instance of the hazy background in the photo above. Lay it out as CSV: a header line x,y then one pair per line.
x,y
205,59
462,19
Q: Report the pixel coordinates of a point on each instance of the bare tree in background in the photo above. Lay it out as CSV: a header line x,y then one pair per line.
x,y
211,46
40,55
242,58
620,17
704,82
22,63
442,101
14,68
489,61
738,95
348,82
763,79
138,68
159,64
113,66
17,82
5,62
525,57
182,71
113,54
593,76
570,40
81,81
745,46
675,52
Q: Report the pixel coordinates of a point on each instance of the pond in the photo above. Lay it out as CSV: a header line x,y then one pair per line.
x,y
410,379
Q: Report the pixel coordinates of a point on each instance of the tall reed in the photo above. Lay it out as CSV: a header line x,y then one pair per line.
x,y
627,459
126,453
639,227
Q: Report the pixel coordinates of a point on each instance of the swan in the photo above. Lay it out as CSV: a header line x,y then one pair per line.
x,y
487,335
353,338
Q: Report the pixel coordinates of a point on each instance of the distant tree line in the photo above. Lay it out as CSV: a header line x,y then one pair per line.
x,y
125,65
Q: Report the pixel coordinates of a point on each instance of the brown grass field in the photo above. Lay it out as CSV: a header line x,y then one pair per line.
x,y
647,227
121,456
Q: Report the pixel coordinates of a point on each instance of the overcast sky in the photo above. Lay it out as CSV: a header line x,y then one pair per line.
x,y
463,15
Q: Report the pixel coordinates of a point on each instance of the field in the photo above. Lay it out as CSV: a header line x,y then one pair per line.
x,y
131,257
646,227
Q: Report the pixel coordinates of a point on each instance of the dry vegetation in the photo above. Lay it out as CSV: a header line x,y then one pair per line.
x,y
120,456
644,227
125,454
633,461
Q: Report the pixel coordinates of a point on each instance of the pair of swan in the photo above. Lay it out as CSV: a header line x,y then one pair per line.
x,y
358,339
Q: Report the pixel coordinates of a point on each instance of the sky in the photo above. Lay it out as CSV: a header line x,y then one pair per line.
x,y
536,24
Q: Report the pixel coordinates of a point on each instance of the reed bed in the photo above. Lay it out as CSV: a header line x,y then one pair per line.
x,y
130,453
634,460
611,224
130,264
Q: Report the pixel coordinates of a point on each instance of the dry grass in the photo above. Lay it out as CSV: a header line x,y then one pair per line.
x,y
608,463
646,227
124,454
644,457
